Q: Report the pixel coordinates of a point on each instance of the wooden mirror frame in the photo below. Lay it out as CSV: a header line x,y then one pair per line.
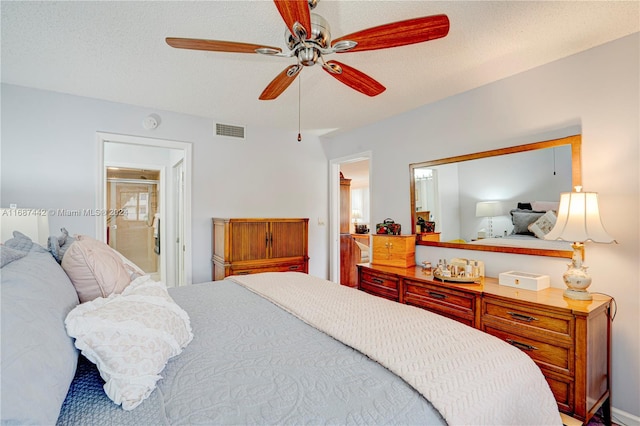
x,y
576,177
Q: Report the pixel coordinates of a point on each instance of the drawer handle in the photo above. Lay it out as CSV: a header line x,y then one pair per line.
x,y
521,317
294,267
521,345
437,295
242,273
377,280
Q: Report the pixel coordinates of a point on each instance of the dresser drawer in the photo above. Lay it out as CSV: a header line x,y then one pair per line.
x,y
444,301
536,322
284,267
379,284
550,356
563,390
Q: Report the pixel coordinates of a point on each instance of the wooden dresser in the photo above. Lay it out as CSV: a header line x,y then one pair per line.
x,y
247,246
569,340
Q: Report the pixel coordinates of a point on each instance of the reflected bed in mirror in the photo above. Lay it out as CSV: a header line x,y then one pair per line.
x,y
502,200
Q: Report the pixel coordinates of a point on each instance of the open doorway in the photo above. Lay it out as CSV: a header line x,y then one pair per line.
x,y
349,215
133,225
154,195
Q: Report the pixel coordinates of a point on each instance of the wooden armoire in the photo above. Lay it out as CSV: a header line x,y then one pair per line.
x,y
246,246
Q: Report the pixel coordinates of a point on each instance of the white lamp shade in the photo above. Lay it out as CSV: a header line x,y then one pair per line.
x,y
489,209
33,226
579,219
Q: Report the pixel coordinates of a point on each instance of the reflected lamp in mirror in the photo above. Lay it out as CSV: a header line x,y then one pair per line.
x,y
355,216
26,221
578,221
489,209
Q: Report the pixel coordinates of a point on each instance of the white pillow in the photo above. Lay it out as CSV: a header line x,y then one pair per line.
x,y
543,225
130,337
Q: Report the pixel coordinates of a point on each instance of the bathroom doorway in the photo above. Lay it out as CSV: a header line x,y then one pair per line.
x,y
133,228
158,211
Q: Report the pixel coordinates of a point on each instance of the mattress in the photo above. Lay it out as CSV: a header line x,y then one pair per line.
x,y
251,362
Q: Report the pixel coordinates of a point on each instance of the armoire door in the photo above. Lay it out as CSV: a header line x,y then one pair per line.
x,y
288,239
249,241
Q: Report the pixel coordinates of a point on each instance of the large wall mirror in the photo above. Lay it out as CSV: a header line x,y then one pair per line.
x,y
492,200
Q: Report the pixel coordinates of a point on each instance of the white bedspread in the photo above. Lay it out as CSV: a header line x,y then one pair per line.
x,y
469,376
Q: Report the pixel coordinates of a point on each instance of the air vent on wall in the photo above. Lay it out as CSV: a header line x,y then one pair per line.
x,y
230,131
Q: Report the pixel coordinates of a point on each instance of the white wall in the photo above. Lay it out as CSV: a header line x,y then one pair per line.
x,y
596,91
50,160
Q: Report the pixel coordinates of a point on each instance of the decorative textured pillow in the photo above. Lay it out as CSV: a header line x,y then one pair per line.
x,y
130,337
94,269
10,254
19,242
38,357
521,220
57,246
132,269
543,225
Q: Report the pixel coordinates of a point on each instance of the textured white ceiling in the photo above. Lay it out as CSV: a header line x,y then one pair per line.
x,y
116,51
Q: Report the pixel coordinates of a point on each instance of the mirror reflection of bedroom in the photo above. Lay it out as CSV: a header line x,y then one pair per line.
x,y
354,219
503,199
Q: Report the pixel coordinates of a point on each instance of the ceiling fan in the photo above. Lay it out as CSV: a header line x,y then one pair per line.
x,y
308,38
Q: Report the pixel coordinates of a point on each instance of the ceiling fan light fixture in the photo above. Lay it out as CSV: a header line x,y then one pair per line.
x,y
308,56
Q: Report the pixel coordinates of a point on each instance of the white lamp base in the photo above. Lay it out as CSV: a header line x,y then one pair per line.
x,y
575,277
577,294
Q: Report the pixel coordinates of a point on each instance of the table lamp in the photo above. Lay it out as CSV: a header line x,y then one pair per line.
x,y
578,221
489,209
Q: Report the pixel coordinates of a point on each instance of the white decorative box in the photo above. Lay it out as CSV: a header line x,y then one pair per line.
x,y
524,280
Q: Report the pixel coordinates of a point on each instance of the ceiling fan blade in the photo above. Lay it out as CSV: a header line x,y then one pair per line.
x,y
215,45
280,83
401,33
293,11
353,78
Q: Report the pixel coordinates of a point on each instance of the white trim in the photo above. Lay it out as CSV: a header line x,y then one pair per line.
x,y
334,207
101,138
624,418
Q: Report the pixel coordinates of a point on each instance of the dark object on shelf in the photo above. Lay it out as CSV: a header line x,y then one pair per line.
x,y
388,226
362,229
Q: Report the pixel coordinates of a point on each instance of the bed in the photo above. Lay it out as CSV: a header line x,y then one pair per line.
x,y
531,222
272,348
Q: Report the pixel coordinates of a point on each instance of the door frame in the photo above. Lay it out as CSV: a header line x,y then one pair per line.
x,y
334,207
177,177
101,202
